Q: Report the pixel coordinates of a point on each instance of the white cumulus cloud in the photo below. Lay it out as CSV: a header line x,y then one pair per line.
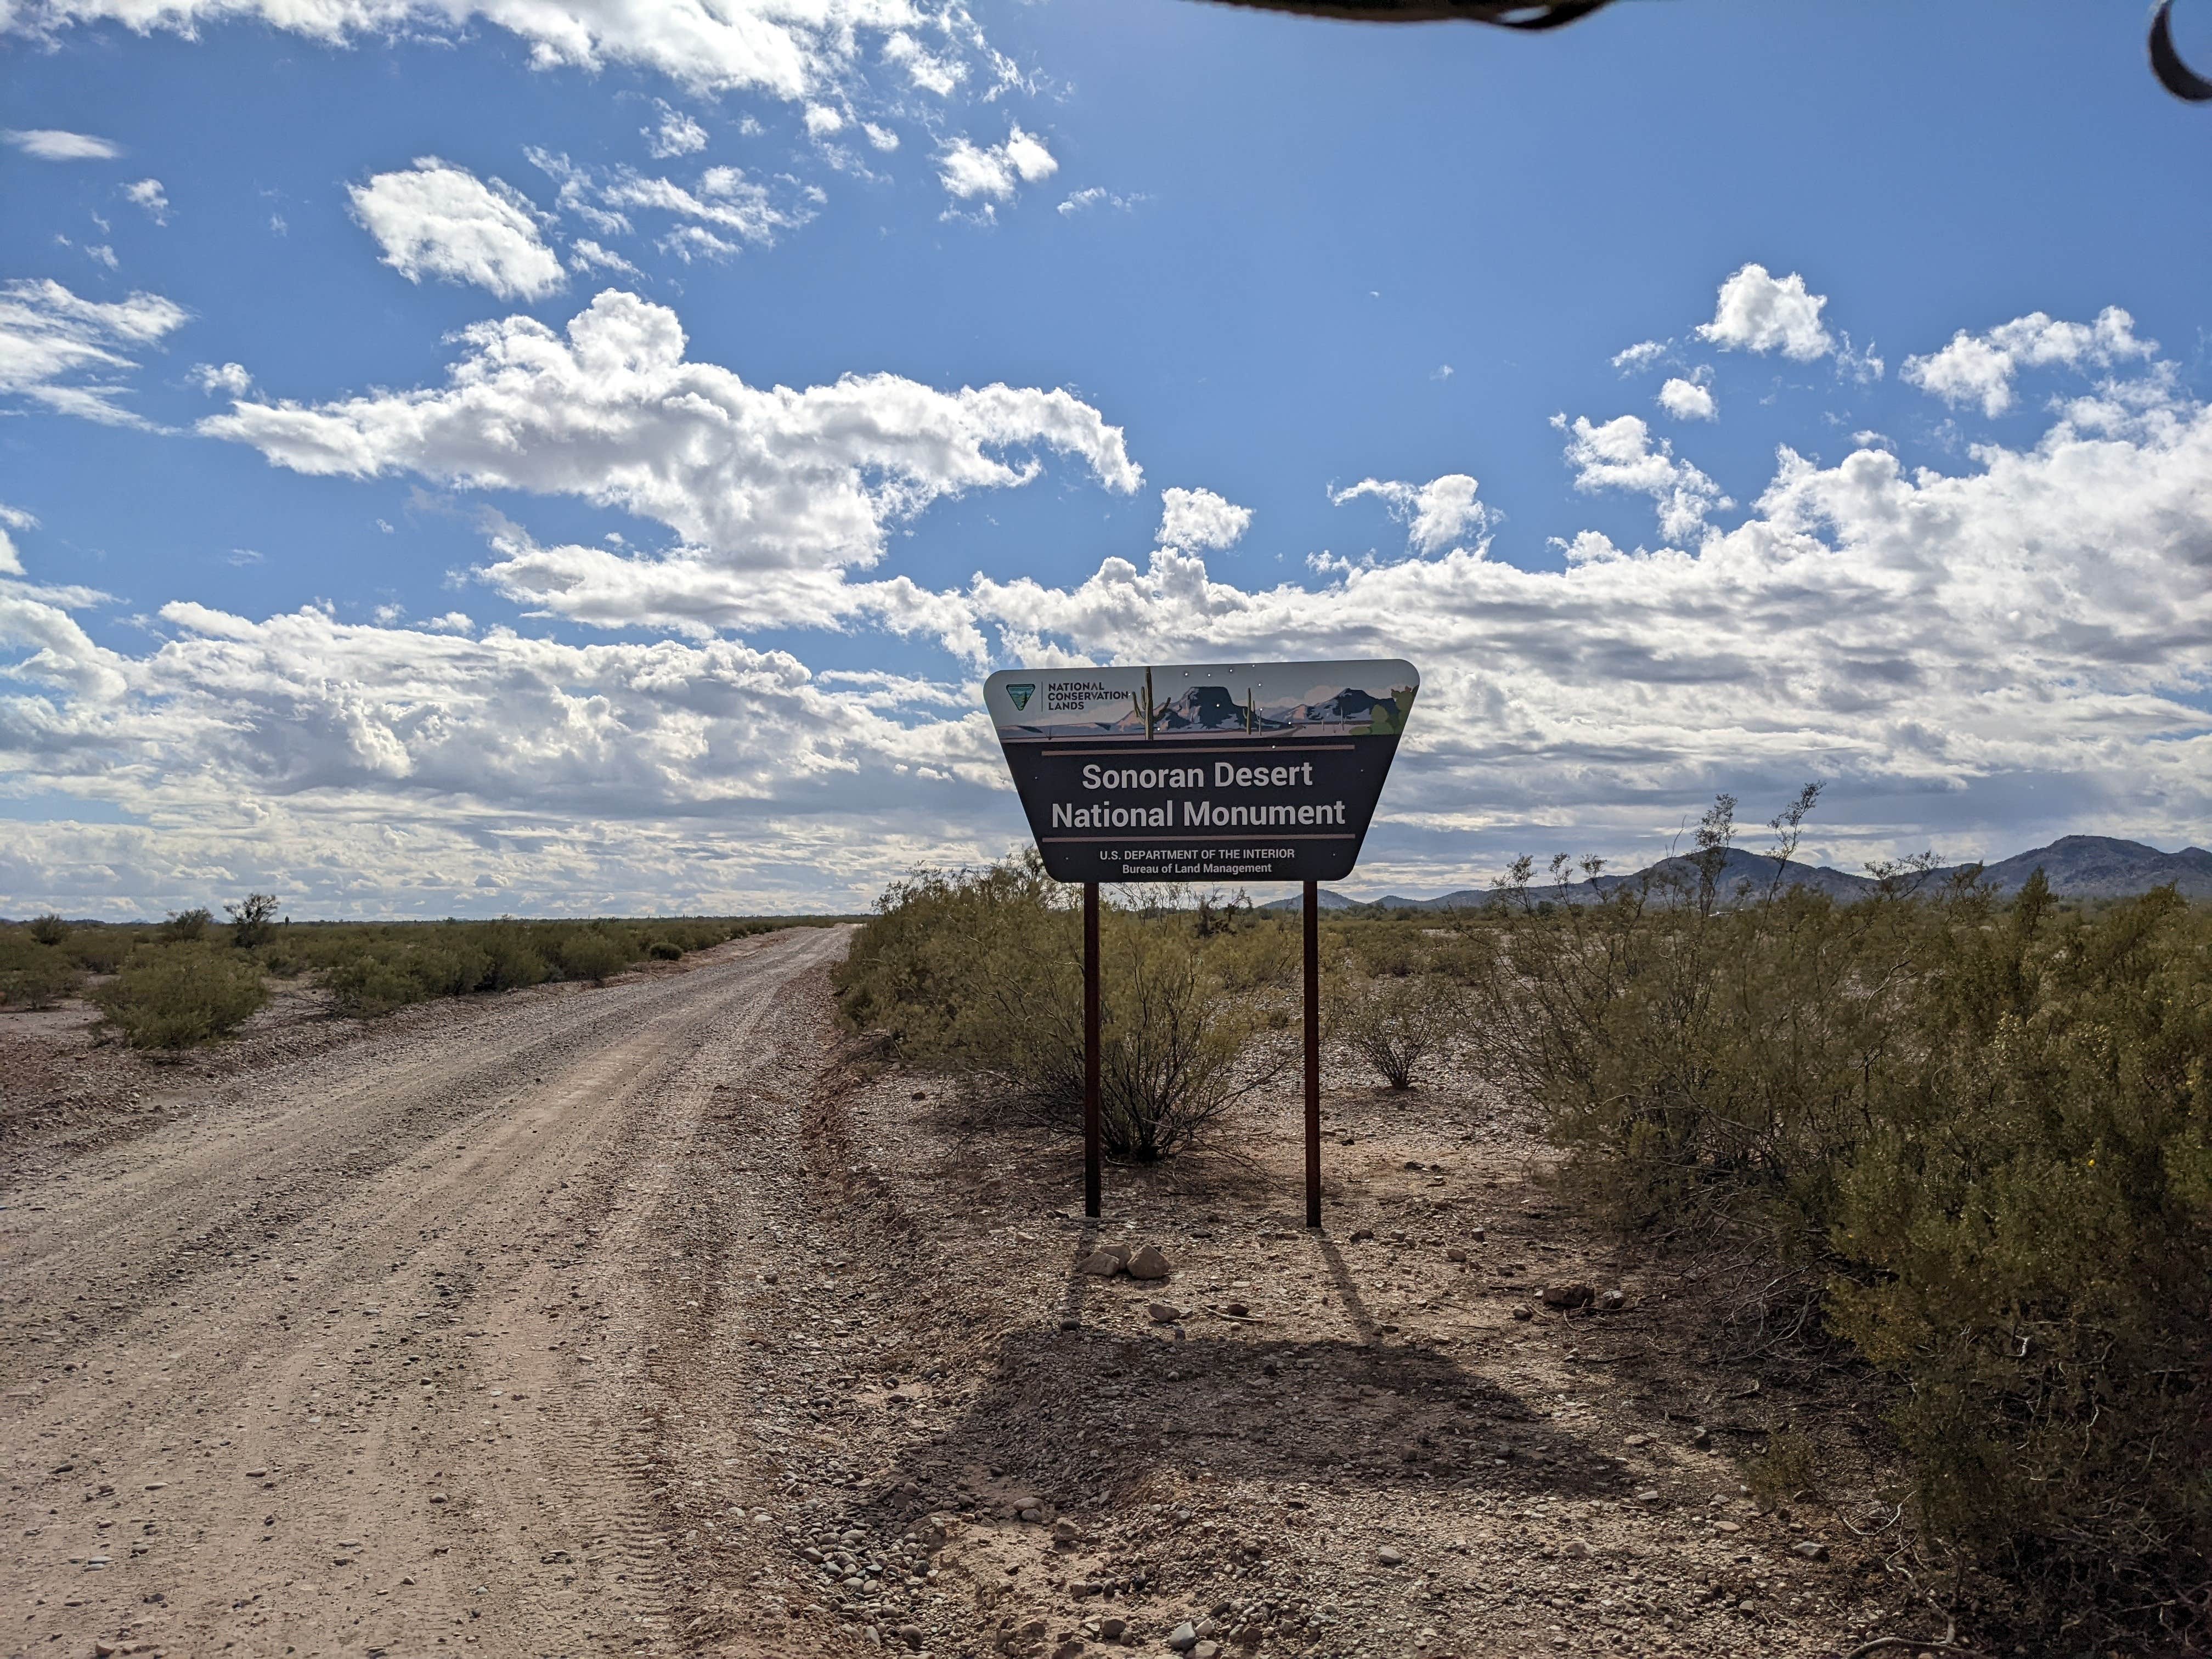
x,y
933,71
1634,360
1688,400
784,50
1980,367
725,198
471,757
994,172
443,220
690,242
1622,455
1199,520
1437,515
2037,627
613,410
584,254
1761,312
68,353
228,378
148,194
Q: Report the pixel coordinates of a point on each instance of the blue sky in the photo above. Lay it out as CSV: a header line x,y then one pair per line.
x,y
312,476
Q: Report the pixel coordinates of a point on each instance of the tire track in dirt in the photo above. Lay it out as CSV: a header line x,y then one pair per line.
x,y
413,1406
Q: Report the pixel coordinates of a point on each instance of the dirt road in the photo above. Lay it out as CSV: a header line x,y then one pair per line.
x,y
360,1360
650,1319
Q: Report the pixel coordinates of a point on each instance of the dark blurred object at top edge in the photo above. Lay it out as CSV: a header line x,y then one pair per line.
x,y
2176,77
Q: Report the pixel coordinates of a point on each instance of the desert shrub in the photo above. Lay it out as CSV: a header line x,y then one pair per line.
x,y
1177,1048
284,963
1459,952
977,968
370,986
1394,1024
1213,914
173,996
981,971
49,929
373,967
444,963
1384,947
1707,1064
392,973
2026,1236
1260,959
512,960
186,923
253,919
99,950
591,953
33,974
1982,1134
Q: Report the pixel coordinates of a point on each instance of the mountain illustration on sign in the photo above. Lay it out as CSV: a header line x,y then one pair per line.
x,y
1206,710
1384,716
1201,709
1019,696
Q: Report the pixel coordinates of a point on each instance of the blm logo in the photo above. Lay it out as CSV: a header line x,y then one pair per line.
x,y
1019,696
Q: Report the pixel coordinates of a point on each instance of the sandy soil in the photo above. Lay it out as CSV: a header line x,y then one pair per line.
x,y
650,1319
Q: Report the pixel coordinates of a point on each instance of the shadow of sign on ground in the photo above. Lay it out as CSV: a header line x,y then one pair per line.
x,y
1090,1418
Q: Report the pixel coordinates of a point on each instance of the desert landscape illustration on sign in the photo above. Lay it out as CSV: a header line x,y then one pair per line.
x,y
1049,706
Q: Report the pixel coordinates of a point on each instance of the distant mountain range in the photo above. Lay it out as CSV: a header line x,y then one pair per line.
x,y
2097,866
2076,866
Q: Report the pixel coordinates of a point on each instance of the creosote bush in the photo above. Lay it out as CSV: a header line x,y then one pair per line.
x,y
2025,1236
99,950
1395,1024
175,995
593,953
187,924
375,968
36,972
981,972
1984,1128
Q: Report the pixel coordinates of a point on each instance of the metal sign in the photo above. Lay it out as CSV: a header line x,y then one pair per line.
x,y
1217,772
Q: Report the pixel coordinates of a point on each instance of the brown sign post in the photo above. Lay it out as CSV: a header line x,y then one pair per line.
x,y
1218,772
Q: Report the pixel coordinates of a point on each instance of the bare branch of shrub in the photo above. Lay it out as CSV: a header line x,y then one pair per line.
x,y
1395,1025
